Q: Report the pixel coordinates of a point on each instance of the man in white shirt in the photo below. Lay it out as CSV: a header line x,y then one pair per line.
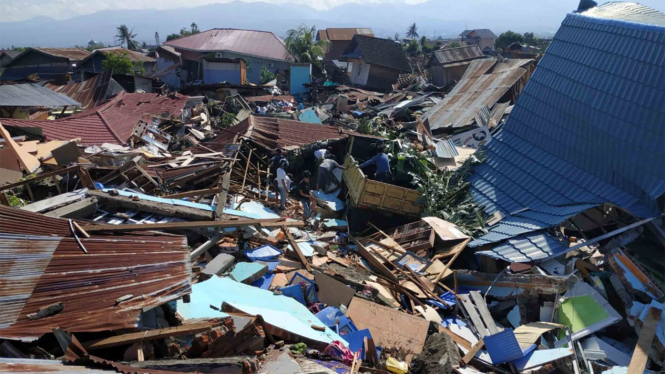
x,y
283,183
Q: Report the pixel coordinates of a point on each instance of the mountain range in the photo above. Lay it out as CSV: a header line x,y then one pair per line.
x,y
434,18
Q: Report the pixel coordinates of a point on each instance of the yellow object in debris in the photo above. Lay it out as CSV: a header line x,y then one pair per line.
x,y
396,366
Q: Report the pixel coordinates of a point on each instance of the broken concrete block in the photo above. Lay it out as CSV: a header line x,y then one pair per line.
x,y
219,264
248,272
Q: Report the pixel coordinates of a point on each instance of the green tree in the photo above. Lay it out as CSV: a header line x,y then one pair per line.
x,y
507,38
119,63
266,75
194,29
413,48
454,44
92,47
530,39
301,43
173,37
412,31
126,36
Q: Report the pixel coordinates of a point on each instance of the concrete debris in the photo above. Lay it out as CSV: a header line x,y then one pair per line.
x,y
406,207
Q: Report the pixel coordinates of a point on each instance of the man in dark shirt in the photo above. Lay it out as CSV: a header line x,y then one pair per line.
x,y
325,174
305,195
382,165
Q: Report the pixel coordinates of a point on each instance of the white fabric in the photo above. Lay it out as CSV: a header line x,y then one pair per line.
x,y
320,153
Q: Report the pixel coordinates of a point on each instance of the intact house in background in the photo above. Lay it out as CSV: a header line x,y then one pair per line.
x,y
374,62
483,38
339,40
7,56
169,63
258,49
93,63
448,65
48,63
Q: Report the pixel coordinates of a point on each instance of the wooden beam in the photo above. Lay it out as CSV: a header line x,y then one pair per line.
x,y
472,352
131,338
244,178
438,277
641,354
373,261
39,177
456,338
271,222
180,195
301,257
225,182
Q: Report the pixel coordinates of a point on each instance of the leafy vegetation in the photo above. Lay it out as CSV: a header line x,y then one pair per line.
x,y
507,38
126,37
266,75
92,46
194,29
119,63
454,44
302,44
412,31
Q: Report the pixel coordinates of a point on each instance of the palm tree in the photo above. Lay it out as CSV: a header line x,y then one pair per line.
x,y
125,35
195,28
412,31
302,44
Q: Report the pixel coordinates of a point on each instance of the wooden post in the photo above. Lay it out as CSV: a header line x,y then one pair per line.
x,y
3,199
246,170
32,197
302,257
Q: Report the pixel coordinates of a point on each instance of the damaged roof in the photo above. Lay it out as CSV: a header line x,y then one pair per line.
x,y
131,55
343,33
89,93
43,265
273,133
72,54
454,55
583,132
482,85
482,33
247,42
377,51
33,95
112,122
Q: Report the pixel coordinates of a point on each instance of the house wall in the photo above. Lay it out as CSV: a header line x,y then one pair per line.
x,y
444,75
483,43
381,78
217,72
143,84
254,69
359,71
172,79
48,67
300,74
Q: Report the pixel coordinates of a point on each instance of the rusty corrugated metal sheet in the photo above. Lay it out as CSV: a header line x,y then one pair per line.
x,y
453,55
247,42
73,54
483,84
154,269
343,33
89,93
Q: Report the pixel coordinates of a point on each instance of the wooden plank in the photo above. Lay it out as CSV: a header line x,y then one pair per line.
x,y
80,229
376,264
221,198
207,191
244,178
472,352
456,338
641,354
56,201
271,222
475,318
301,257
39,177
443,272
131,338
484,312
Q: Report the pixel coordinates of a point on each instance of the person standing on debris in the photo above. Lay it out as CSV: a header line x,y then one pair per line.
x,y
306,198
326,176
382,165
282,184
274,165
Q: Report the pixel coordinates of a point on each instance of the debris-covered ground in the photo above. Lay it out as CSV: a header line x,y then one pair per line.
x,y
423,229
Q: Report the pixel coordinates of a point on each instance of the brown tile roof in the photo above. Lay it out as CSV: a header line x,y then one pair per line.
x,y
343,33
73,54
42,264
132,55
112,122
248,42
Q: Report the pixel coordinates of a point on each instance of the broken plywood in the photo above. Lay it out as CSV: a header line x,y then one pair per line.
x,y
389,327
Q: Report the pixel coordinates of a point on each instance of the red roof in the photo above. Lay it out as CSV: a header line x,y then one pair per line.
x,y
112,122
248,42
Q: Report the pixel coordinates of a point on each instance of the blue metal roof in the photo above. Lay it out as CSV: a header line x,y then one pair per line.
x,y
587,129
527,248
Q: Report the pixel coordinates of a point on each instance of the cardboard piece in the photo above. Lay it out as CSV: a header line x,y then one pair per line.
x,y
331,291
389,327
530,333
29,163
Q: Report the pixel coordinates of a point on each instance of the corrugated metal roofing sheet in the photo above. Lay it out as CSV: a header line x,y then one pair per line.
x,y
89,93
445,148
33,95
453,55
247,42
527,248
72,54
377,51
584,132
52,268
112,122
482,85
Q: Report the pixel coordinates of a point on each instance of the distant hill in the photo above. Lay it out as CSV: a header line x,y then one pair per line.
x,y
434,18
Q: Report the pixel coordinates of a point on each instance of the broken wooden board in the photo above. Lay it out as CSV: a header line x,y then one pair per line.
x,y
389,327
332,291
374,262
29,163
114,341
530,333
641,354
